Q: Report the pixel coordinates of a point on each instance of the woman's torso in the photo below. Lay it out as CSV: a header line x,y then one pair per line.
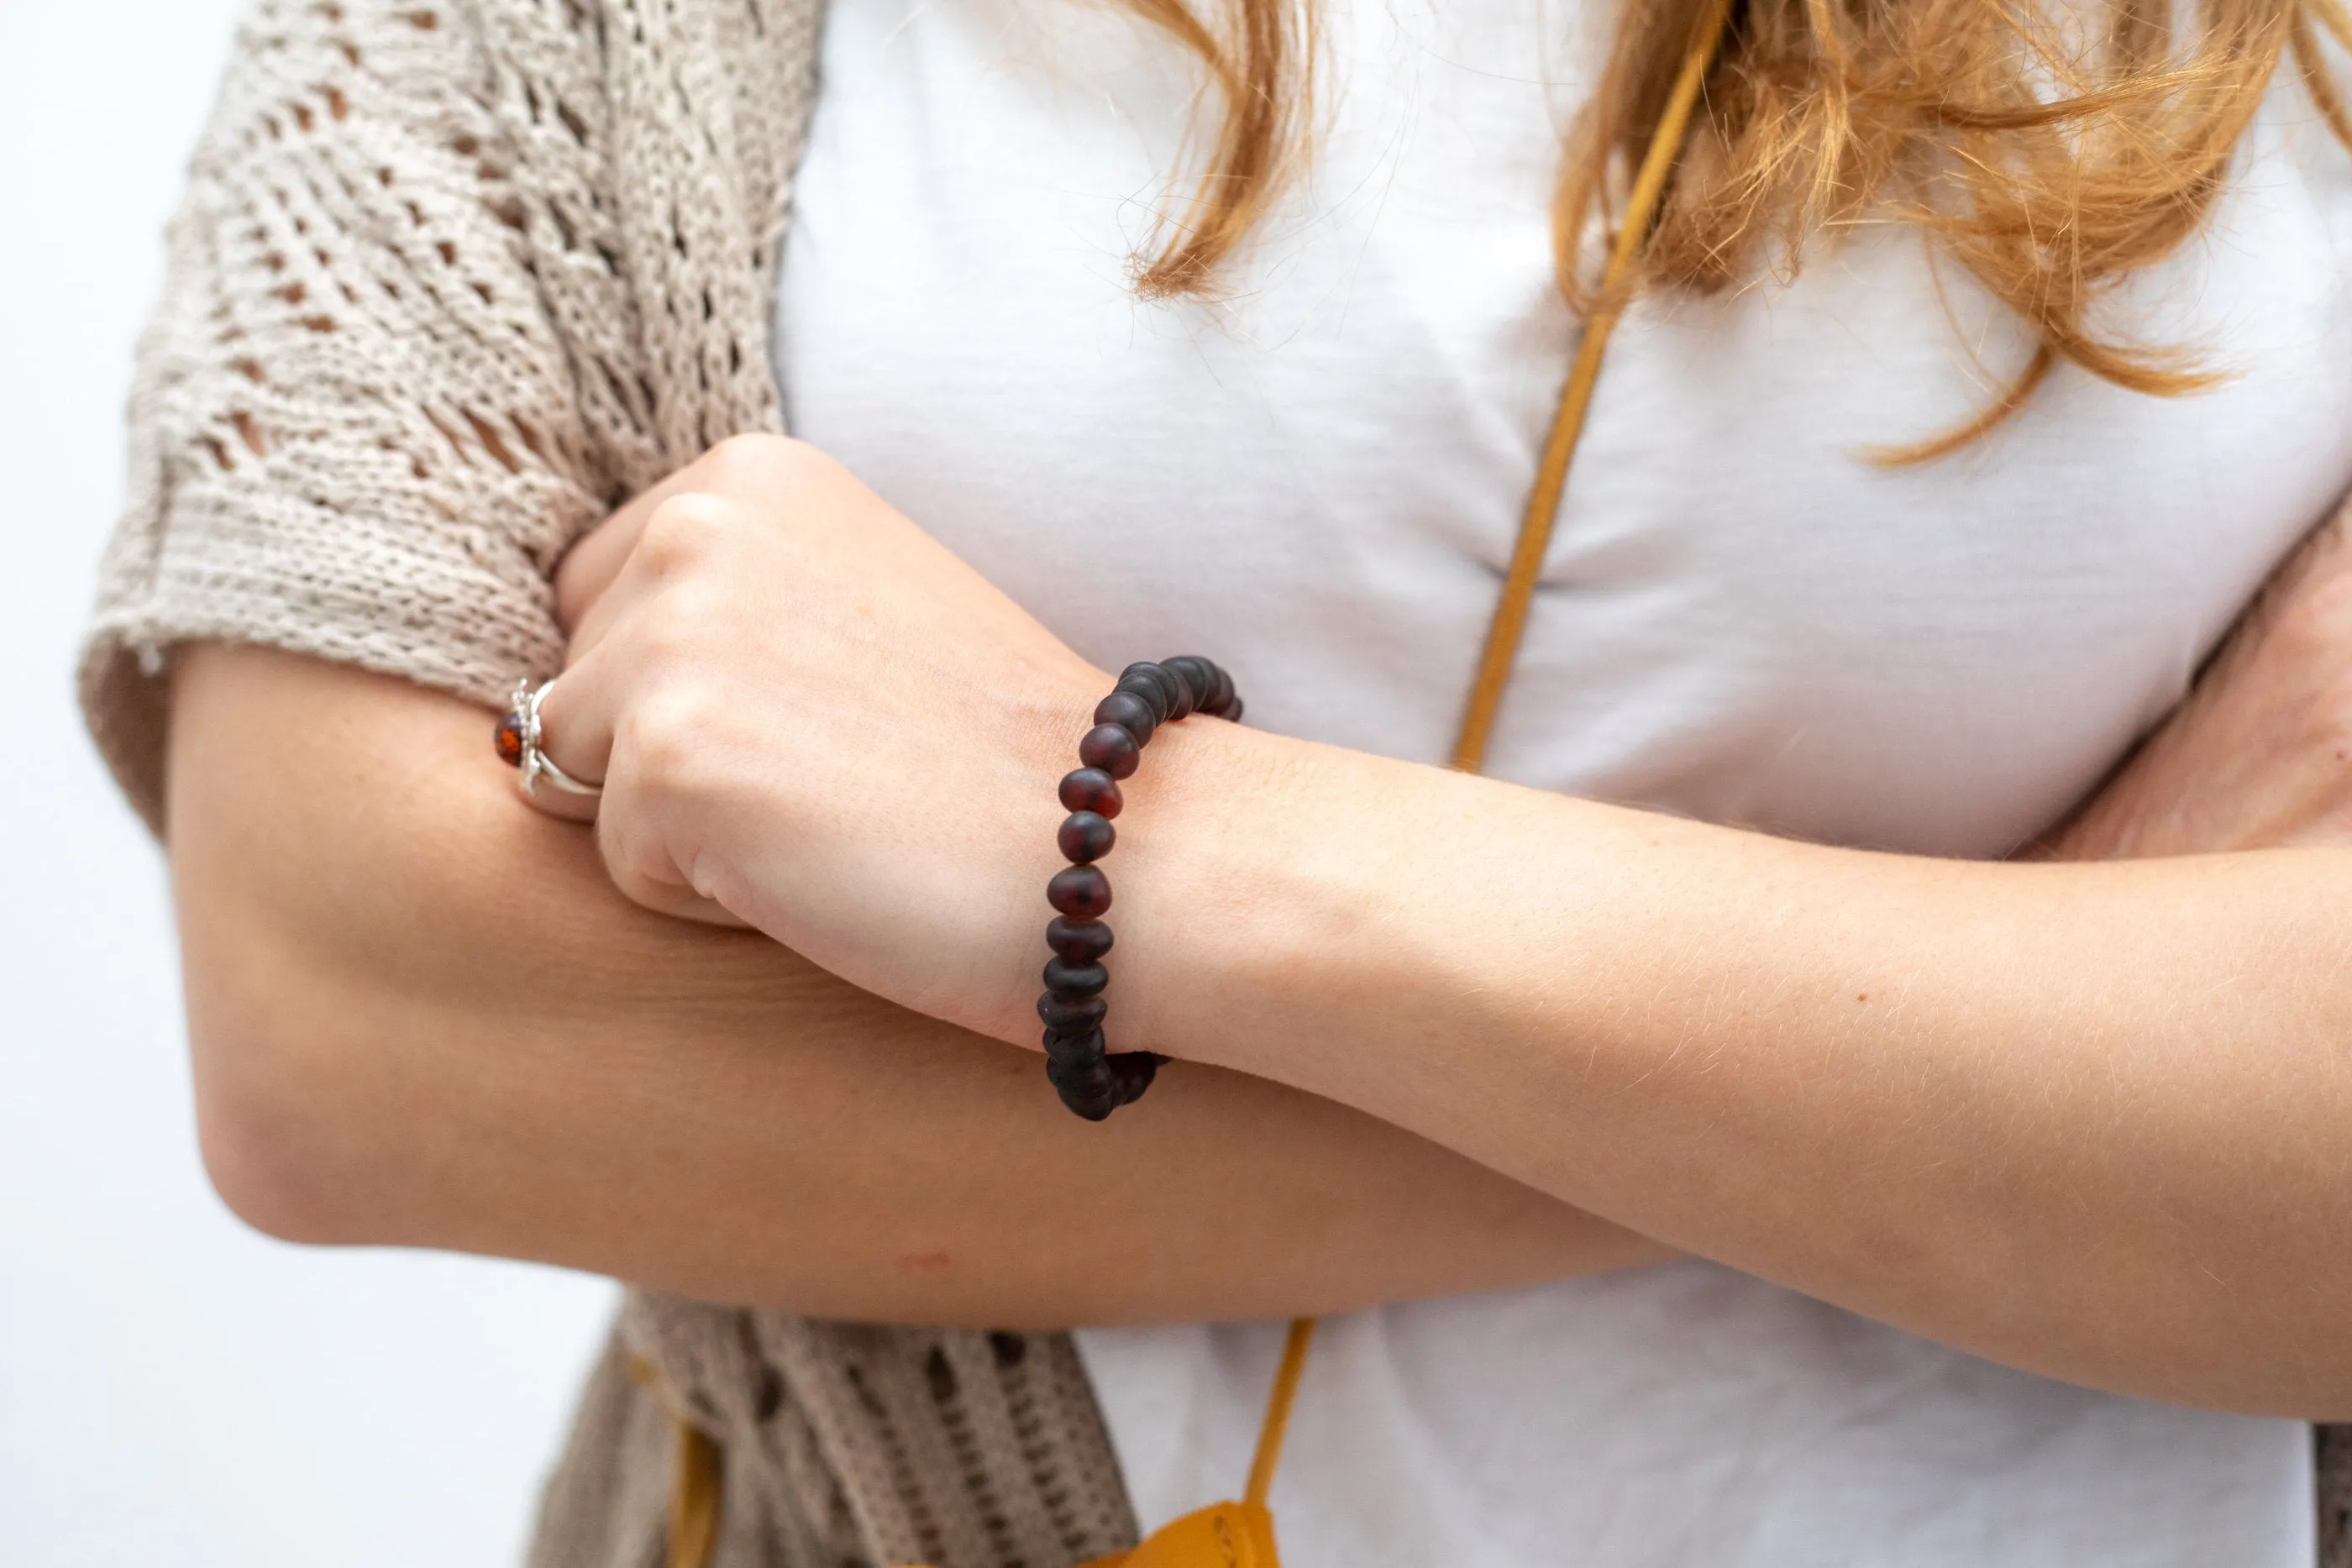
x,y
1316,479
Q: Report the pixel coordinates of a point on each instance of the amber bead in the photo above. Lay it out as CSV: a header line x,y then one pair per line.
x,y
1199,678
1150,694
1073,1045
1091,789
1071,1015
1090,1087
1221,694
1153,685
507,738
1133,1071
1080,892
1086,837
1074,980
1079,941
1112,748
1131,713
1182,697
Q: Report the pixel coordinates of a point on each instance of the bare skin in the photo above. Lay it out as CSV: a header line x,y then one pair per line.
x,y
2093,1123
421,1015
366,918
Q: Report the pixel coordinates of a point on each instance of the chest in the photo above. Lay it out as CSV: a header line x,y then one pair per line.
x,y
1315,476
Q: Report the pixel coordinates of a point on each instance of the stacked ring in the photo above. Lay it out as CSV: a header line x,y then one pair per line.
x,y
1091,1081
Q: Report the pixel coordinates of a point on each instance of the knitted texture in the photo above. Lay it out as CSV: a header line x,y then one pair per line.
x,y
453,277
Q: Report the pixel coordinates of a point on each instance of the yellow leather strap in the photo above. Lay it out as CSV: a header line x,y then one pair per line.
x,y
695,1473
1509,624
694,1500
1277,1412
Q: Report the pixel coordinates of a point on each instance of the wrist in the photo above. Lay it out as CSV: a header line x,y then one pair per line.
x,y
1252,920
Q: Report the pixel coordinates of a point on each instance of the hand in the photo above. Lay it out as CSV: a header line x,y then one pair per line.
x,y
2259,755
811,718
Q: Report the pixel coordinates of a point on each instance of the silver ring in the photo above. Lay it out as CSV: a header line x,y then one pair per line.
x,y
535,763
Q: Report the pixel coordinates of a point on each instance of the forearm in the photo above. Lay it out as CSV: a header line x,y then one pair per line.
x,y
420,1016
2084,1119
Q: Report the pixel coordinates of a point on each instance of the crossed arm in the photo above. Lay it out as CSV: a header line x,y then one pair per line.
x,y
2088,1124
421,1015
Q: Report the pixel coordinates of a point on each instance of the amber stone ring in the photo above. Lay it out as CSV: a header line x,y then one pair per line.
x,y
517,740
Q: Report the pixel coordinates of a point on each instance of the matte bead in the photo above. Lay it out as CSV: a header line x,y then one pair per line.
x,y
1073,1047
1078,941
1220,695
1153,684
1110,747
1086,837
1200,678
1091,789
1187,695
1072,1063
1133,1071
1154,694
1129,712
1091,1091
1234,712
1075,981
1080,892
1071,1015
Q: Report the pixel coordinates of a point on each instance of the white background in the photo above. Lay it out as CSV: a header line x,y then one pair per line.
x,y
175,1390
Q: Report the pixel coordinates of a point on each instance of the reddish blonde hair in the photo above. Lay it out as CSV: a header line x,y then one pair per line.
x,y
2048,163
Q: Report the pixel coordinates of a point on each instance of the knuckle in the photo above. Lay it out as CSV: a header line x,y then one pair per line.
x,y
672,628
670,737
684,532
752,464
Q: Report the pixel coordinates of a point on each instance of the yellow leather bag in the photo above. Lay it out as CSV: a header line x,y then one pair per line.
x,y
1232,1534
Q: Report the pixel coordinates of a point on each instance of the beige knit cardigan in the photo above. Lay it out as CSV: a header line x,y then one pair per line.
x,y
452,278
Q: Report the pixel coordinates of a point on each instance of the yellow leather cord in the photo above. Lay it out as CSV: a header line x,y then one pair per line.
x,y
694,1500
1509,624
1241,1535
695,1473
1277,1412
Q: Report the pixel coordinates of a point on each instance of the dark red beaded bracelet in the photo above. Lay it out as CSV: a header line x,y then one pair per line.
x,y
1090,1080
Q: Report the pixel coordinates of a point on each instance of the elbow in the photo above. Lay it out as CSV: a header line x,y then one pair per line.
x,y
264,1167
282,1123
317,928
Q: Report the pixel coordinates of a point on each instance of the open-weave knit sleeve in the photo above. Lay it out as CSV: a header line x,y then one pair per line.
x,y
354,431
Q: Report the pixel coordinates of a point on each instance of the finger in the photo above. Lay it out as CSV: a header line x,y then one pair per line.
x,y
622,649
636,577
681,539
589,567
637,849
655,883
575,734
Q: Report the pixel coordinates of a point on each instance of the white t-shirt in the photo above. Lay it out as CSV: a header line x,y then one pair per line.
x,y
1316,481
